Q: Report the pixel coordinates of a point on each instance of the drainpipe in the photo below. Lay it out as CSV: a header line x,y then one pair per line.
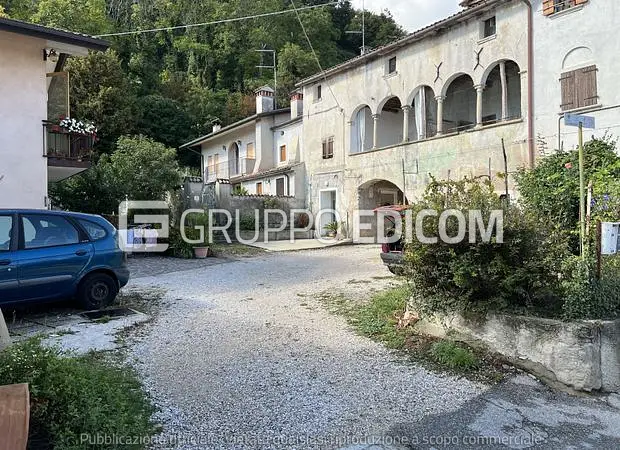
x,y
530,80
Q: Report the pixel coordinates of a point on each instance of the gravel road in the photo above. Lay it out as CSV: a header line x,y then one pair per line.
x,y
243,355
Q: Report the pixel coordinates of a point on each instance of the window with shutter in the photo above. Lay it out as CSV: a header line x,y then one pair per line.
x,y
328,148
585,85
280,187
553,6
579,88
567,82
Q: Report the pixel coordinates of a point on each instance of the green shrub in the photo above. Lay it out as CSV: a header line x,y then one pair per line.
x,y
449,354
520,273
72,396
551,189
247,222
586,297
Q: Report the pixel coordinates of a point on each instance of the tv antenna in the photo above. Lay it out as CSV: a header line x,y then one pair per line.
x,y
363,31
272,67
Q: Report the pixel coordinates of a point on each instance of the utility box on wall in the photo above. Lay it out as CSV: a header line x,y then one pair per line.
x,y
610,241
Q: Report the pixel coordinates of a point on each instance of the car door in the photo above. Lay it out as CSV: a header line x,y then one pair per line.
x,y
8,259
53,255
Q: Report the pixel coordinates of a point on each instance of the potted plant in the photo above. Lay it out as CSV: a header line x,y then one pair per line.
x,y
331,229
202,252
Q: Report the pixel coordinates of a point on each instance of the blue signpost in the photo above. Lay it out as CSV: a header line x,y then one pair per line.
x,y
573,120
577,120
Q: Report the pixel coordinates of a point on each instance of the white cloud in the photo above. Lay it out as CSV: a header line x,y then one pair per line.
x,y
413,14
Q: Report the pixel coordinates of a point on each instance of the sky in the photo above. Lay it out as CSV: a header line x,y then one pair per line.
x,y
413,14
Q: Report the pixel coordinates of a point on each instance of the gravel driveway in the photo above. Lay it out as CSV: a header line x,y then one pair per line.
x,y
244,356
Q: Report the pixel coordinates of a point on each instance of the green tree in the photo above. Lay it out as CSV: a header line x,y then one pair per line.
x,y
551,189
294,63
100,91
85,16
140,168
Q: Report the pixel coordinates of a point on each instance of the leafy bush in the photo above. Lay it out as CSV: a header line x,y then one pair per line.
x,y
247,222
451,355
71,396
520,273
587,297
551,189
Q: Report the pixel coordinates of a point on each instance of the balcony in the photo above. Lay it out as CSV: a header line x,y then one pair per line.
x,y
234,168
68,153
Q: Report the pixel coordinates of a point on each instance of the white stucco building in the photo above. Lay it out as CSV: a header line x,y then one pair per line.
x,y
33,96
261,153
437,103
575,67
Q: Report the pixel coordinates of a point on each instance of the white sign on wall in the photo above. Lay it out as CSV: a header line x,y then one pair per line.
x,y
610,240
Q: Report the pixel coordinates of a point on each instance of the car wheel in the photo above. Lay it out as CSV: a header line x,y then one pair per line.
x,y
97,291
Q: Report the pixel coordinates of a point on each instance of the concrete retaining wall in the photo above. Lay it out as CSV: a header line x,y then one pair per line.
x,y
583,355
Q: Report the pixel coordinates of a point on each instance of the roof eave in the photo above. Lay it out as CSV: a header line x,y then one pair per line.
x,y
232,127
53,34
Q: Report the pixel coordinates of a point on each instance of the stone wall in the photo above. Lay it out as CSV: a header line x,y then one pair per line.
x,y
583,355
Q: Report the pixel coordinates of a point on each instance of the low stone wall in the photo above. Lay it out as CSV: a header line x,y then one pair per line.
x,y
583,355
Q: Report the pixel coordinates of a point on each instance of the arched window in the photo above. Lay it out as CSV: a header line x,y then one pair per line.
x,y
390,125
361,130
459,107
423,115
501,99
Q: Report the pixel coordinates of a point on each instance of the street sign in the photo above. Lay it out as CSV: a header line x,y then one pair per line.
x,y
573,120
610,238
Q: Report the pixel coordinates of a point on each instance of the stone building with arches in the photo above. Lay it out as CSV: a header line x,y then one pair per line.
x,y
437,103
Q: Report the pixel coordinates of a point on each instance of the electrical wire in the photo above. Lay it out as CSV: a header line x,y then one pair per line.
x,y
215,22
318,62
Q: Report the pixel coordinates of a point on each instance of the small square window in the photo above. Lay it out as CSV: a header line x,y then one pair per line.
x,y
392,65
490,27
319,92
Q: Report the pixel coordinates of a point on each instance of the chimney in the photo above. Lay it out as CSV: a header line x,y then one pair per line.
x,y
264,99
297,104
217,126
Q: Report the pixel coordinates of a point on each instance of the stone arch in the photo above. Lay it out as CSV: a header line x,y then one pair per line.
x,y
579,56
375,193
423,113
390,122
501,98
459,104
361,129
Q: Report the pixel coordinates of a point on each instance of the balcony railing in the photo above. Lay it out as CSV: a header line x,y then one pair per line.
x,y
229,169
62,144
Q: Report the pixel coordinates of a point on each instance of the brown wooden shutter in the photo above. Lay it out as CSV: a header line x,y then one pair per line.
x,y
567,82
586,87
548,7
580,2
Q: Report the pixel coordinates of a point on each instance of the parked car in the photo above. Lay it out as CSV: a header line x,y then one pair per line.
x,y
393,255
53,255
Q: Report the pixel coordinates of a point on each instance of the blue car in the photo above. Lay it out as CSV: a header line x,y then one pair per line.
x,y
53,255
